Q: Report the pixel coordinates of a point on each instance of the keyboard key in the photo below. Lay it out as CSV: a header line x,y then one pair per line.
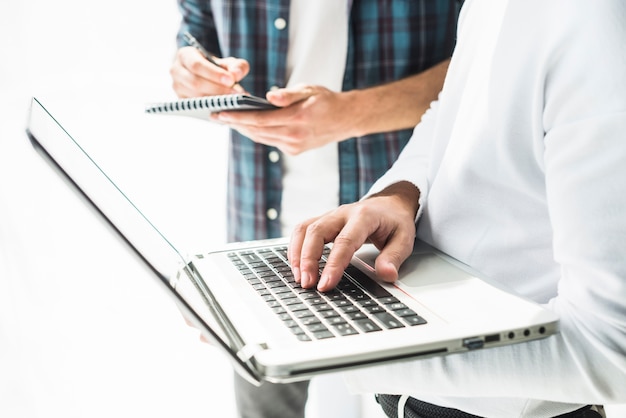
x,y
303,314
283,315
290,323
290,302
323,335
263,292
312,299
388,320
328,314
340,303
414,320
316,327
310,320
368,284
388,300
375,309
297,307
281,290
349,309
345,329
355,316
258,286
405,312
322,307
367,325
367,302
335,320
275,284
249,256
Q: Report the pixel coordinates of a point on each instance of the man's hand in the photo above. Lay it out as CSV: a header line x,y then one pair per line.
x,y
311,117
386,219
194,76
192,325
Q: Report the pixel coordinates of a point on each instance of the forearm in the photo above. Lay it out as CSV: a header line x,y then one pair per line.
x,y
394,106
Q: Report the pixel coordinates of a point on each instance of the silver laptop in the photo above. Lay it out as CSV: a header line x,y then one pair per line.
x,y
244,300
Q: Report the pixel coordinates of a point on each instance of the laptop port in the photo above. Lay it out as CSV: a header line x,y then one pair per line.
x,y
473,343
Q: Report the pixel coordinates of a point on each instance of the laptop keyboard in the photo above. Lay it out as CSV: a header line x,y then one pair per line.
x,y
357,305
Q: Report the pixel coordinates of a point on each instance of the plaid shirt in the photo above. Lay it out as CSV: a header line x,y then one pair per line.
x,y
388,40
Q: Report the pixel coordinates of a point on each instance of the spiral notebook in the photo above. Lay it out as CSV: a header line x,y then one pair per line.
x,y
245,301
201,107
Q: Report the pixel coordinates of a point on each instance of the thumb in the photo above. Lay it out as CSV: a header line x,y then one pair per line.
x,y
391,257
288,96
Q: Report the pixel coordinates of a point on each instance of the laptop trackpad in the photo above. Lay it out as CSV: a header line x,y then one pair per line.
x,y
445,289
429,268
454,294
422,268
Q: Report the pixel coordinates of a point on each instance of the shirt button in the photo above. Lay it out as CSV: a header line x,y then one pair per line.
x,y
273,156
280,23
272,214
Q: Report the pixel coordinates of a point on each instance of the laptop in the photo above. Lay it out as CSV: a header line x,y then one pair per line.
x,y
243,298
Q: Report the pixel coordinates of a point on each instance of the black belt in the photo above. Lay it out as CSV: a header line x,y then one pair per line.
x,y
415,408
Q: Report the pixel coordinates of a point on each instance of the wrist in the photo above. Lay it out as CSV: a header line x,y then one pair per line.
x,y
358,113
405,193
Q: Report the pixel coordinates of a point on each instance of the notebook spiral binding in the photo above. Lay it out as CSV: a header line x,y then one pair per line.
x,y
210,103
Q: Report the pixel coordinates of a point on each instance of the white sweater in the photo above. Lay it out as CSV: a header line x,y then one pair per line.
x,y
522,168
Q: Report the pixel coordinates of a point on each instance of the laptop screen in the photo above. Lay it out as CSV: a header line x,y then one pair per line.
x,y
171,266
103,191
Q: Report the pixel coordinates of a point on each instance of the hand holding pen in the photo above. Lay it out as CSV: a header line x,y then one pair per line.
x,y
189,38
192,77
209,56
191,41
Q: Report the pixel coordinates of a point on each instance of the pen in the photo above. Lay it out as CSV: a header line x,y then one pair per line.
x,y
189,38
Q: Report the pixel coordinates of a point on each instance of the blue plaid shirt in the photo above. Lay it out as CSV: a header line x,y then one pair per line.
x,y
388,40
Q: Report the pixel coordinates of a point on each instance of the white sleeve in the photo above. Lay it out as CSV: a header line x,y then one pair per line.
x,y
413,162
585,175
590,243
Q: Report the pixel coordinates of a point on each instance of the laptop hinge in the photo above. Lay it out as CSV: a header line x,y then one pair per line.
x,y
250,350
234,339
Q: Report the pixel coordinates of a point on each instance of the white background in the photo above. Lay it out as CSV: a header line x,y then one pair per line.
x,y
84,332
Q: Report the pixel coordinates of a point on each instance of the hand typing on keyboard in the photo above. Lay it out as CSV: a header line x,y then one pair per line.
x,y
386,219
356,305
